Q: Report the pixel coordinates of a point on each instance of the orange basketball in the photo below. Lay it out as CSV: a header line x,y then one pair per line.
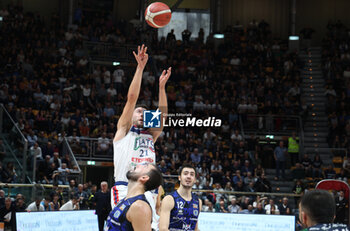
x,y
157,15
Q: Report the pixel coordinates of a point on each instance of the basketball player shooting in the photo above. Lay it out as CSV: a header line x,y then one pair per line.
x,y
132,144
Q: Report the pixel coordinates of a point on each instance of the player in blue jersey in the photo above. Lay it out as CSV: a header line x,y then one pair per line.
x,y
180,209
317,212
134,211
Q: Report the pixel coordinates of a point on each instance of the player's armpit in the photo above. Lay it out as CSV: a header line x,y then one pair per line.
x,y
166,207
125,120
140,216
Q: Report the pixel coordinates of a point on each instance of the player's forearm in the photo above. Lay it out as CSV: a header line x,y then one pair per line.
x,y
163,102
135,85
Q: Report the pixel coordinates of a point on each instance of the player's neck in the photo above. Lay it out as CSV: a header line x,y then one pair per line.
x,y
134,189
185,193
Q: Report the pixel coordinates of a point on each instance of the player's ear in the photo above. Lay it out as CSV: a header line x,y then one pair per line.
x,y
144,178
304,218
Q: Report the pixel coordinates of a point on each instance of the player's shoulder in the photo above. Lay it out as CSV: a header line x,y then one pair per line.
x,y
140,206
168,201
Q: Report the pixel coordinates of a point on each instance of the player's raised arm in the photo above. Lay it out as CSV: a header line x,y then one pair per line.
x,y
163,102
166,207
125,120
140,216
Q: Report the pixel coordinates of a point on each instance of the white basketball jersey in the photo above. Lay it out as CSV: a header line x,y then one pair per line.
x,y
136,147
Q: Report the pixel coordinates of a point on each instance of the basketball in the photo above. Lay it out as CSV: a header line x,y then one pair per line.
x,y
158,15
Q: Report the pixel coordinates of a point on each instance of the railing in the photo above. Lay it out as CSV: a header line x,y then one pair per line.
x,y
109,51
88,149
66,149
16,141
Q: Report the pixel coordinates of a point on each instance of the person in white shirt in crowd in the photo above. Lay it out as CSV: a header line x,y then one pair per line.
x,y
118,76
104,144
35,206
72,204
269,205
106,74
36,152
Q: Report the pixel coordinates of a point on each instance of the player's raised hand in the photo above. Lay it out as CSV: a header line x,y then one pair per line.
x,y
164,77
141,56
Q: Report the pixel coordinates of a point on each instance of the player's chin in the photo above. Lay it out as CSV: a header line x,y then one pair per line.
x,y
139,124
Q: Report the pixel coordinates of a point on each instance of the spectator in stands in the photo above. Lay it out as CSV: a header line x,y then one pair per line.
x,y
2,150
63,172
342,176
280,158
293,148
7,215
248,210
209,207
83,197
72,204
341,204
55,204
298,172
36,205
216,171
233,207
11,172
329,173
346,165
284,207
56,159
20,206
36,152
196,156
103,145
103,206
32,138
271,207
259,209
221,206
262,184
307,164
46,204
317,167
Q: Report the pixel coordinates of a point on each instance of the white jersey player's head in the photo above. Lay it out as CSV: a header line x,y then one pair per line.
x,y
137,116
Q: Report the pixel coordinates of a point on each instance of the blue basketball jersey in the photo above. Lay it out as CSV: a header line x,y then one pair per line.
x,y
117,220
184,215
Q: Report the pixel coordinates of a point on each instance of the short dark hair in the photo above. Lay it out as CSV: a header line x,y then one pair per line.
x,y
155,179
187,166
319,205
141,105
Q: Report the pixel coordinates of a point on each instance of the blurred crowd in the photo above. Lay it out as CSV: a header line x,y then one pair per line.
x,y
76,197
336,60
